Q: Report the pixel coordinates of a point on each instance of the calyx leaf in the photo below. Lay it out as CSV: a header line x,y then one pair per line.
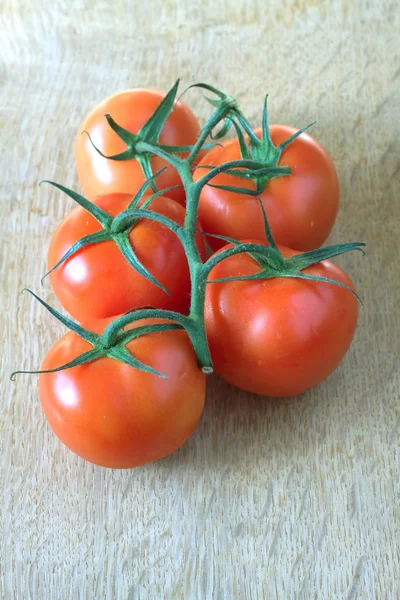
x,y
273,264
117,229
261,150
106,345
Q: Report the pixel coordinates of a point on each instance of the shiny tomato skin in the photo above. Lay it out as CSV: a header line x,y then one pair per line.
x,y
130,109
98,282
278,337
301,208
115,416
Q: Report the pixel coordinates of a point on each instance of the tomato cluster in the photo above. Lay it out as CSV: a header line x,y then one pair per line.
x,y
268,310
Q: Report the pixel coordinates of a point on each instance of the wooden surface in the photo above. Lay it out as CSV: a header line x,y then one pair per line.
x,y
297,498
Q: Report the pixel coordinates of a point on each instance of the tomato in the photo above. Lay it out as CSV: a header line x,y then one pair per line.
x,y
281,336
131,109
97,281
301,208
116,416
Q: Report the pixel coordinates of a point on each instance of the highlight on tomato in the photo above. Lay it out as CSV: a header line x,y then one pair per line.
x,y
301,207
110,269
282,335
116,125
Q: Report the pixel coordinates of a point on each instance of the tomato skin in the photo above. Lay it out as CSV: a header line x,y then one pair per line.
x,y
301,208
278,337
115,416
130,109
98,282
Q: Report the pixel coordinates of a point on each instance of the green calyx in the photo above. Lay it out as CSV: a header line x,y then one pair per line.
x,y
140,146
274,265
226,108
149,133
117,229
111,344
261,150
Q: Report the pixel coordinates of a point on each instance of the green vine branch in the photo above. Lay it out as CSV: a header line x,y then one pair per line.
x,y
259,162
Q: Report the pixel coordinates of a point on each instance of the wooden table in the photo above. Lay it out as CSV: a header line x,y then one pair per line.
x,y
296,498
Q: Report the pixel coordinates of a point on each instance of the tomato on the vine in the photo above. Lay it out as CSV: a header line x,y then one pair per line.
x,y
116,416
301,207
131,109
280,336
97,281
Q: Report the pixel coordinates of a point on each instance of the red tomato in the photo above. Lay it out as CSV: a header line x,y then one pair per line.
x,y
301,208
116,416
131,109
278,337
97,281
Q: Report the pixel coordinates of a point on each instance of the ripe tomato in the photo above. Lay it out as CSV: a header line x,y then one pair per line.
x,y
130,109
97,281
301,207
116,416
278,337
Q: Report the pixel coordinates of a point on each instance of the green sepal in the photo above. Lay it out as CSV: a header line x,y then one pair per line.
x,y
248,248
307,259
143,189
128,154
85,334
179,149
249,165
144,161
162,192
226,127
235,189
87,240
215,103
122,355
255,277
244,149
82,359
126,136
148,134
210,88
293,137
267,229
307,276
266,133
98,213
152,128
122,241
115,229
225,238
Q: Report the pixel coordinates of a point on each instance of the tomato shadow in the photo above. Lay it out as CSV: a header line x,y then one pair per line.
x,y
239,429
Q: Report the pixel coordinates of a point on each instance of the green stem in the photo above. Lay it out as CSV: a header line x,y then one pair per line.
x,y
222,111
172,159
198,288
194,324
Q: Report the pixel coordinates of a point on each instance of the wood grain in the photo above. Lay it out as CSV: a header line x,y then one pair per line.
x,y
296,498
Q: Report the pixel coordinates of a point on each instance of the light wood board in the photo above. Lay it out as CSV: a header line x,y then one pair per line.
x,y
296,498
